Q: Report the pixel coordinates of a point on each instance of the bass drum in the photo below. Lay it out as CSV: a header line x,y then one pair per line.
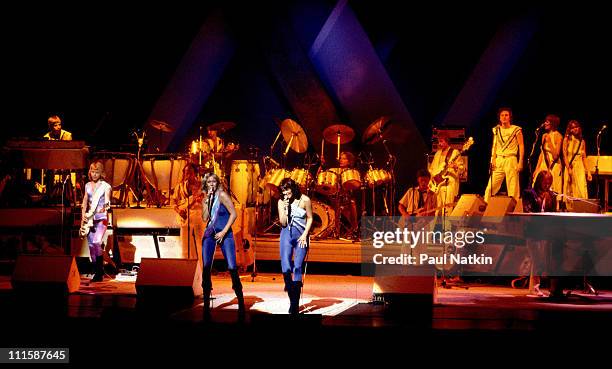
x,y
323,217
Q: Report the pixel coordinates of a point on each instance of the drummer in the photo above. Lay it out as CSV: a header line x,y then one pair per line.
x,y
215,151
348,204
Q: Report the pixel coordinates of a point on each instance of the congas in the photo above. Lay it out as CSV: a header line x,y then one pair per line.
x,y
323,216
274,178
377,177
163,171
351,179
327,182
302,177
118,166
244,179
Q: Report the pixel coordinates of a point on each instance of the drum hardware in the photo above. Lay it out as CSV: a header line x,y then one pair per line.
x,y
161,127
221,127
380,131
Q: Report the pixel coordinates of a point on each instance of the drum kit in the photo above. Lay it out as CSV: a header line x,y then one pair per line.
x,y
151,177
332,189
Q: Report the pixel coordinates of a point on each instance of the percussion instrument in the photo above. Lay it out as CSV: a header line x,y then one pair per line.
x,y
244,177
302,177
327,182
273,179
377,177
323,217
118,166
294,136
350,179
163,171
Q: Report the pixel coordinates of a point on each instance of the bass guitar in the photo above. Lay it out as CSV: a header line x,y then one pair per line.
x,y
441,178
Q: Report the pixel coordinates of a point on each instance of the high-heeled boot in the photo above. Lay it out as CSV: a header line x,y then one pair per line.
x,y
287,278
99,273
207,287
237,287
294,297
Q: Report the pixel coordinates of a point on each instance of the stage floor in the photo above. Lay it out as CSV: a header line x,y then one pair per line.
x,y
338,314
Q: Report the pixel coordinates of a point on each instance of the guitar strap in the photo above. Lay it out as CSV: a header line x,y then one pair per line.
x,y
449,154
95,198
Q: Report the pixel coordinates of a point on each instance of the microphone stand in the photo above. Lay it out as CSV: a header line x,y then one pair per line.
x,y
537,138
63,221
598,143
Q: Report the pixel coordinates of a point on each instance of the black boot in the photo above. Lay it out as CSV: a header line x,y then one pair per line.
x,y
237,287
99,266
287,278
294,297
207,287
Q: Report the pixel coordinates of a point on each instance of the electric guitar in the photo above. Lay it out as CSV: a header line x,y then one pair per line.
x,y
86,225
441,178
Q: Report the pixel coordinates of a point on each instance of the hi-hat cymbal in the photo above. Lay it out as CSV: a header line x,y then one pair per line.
x,y
331,134
376,131
162,126
221,126
294,135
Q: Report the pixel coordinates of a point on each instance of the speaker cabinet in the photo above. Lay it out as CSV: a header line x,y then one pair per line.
x,y
469,205
46,273
499,206
169,278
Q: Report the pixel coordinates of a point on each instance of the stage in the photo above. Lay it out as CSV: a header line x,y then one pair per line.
x,y
335,309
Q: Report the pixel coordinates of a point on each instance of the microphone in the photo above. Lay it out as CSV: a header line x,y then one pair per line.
x,y
541,126
603,128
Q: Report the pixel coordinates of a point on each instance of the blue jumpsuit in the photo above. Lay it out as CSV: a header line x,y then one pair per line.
x,y
209,243
289,248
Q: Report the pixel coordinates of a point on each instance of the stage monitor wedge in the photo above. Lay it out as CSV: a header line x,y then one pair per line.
x,y
169,278
46,273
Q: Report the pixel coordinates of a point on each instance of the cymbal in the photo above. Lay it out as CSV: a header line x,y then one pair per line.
x,y
331,134
294,135
221,126
376,131
162,126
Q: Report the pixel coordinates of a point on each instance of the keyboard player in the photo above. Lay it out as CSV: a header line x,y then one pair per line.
x,y
54,180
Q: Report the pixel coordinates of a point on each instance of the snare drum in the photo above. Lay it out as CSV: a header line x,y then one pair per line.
x,y
377,177
302,177
244,180
327,182
351,179
163,171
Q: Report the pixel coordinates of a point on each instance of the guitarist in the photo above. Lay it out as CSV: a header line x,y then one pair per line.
x,y
187,199
447,164
418,200
94,208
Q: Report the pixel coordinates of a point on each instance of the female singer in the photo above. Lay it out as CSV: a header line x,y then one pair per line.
x,y
218,213
574,157
295,215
